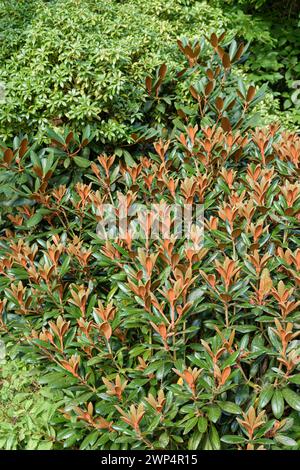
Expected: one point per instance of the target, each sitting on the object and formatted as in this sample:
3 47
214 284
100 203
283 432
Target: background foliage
77 62
27 410
273 28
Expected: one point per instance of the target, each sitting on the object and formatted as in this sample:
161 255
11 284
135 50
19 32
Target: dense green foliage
167 342
273 28
26 409
78 62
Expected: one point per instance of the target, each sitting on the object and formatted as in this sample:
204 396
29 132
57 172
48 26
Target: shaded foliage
77 63
27 410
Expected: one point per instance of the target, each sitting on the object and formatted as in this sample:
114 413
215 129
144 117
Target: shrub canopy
78 62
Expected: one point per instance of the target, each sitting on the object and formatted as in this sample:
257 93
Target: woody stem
233 248
174 352
277 378
150 341
109 348
184 333
285 235
146 442
226 316
172 316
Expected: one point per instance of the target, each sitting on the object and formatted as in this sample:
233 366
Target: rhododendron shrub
170 341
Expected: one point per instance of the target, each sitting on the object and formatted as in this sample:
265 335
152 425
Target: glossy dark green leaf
202 424
82 162
291 398
233 439
265 395
277 404
230 407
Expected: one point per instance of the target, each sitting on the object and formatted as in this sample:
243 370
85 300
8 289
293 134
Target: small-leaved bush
176 342
27 410
73 63
79 62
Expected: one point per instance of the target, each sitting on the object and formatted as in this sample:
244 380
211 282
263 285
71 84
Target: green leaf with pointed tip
35 219
233 439
295 379
82 162
230 407
164 440
202 424
285 440
291 398
194 441
214 438
190 424
213 413
89 440
265 395
277 404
